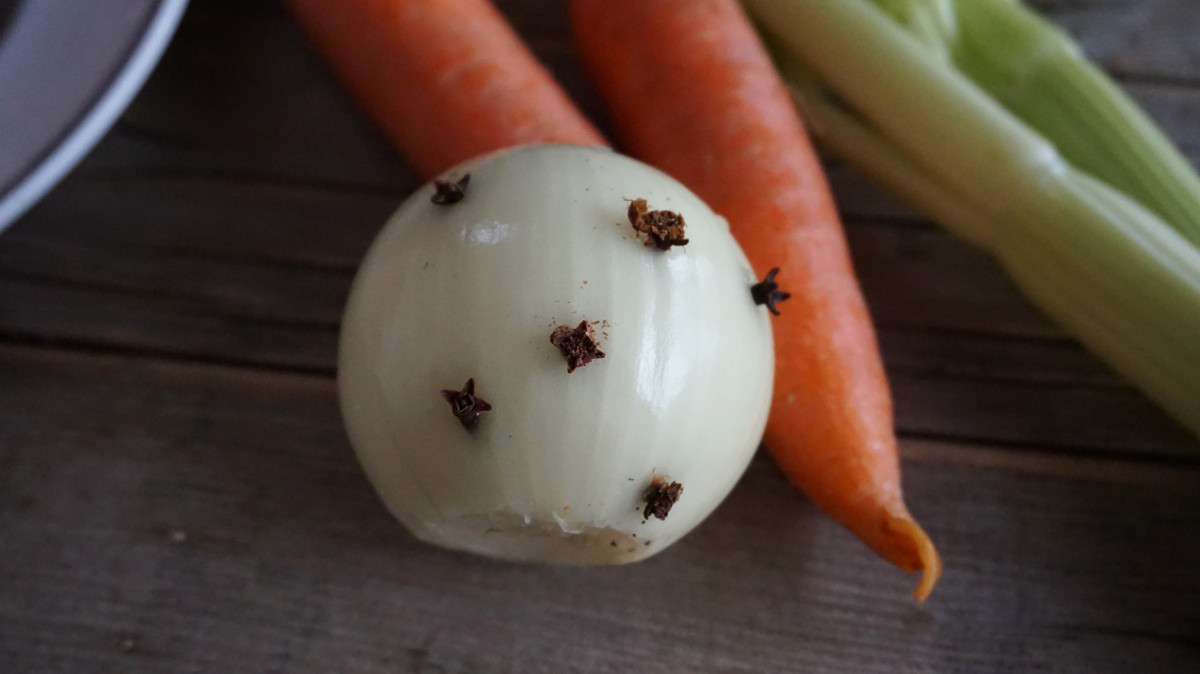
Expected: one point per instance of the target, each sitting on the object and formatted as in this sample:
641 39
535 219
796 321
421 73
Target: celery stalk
933 22
1106 267
1038 73
860 145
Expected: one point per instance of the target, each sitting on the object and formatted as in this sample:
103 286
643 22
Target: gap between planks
1137 471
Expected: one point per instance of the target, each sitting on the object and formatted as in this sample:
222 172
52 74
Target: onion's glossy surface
558 469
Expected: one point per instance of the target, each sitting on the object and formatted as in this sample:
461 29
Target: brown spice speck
660 497
663 229
578 345
465 404
447 193
767 292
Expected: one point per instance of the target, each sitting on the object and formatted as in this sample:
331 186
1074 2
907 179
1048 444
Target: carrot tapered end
911 549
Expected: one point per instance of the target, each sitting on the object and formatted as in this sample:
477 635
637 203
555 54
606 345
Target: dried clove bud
578 345
660 497
767 292
450 193
663 229
467 407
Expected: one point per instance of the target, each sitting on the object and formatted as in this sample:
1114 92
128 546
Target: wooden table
177 493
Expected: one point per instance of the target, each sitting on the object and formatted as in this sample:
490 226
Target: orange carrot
447 80
691 89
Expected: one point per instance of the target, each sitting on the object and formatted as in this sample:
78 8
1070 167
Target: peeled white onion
558 470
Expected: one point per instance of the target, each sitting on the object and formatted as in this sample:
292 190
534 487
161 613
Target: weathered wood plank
165 515
263 284
253 288
231 219
204 111
184 238
177 216
1135 38
230 126
158 516
135 323
222 101
1047 395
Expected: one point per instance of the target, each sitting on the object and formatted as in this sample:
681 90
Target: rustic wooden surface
177 494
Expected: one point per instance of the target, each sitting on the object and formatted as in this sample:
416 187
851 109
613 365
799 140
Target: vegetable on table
1040 75
447 80
989 121
522 377
692 91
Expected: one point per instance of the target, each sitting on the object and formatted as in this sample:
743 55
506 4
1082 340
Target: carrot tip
915 552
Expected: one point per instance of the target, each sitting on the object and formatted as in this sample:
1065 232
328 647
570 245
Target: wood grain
182 517
263 285
177 494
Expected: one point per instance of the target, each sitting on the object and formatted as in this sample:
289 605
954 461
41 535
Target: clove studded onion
561 363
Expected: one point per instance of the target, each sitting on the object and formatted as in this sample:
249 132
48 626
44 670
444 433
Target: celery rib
1039 74
1102 236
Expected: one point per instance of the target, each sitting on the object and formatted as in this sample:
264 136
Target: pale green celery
1110 271
932 22
857 143
1038 73
854 140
